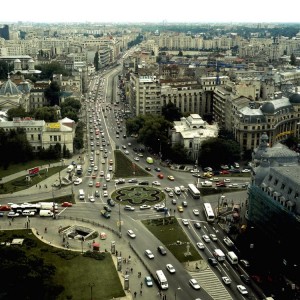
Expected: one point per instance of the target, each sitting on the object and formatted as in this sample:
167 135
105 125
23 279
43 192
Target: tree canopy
171 112
52 93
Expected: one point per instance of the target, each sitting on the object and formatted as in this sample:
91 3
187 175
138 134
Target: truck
70 168
105 213
219 254
48 206
46 213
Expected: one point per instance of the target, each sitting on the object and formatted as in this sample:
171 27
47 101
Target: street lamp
120 224
178 289
91 285
160 154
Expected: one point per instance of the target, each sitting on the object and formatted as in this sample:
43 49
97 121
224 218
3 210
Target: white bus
162 280
231 256
193 191
209 213
81 194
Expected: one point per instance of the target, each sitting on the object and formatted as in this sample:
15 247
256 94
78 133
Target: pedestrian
39 186
141 284
141 292
134 294
116 252
45 229
36 185
9 223
131 270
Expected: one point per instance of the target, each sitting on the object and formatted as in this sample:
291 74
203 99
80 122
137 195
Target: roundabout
138 195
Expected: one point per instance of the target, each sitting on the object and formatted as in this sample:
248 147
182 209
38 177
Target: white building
190 132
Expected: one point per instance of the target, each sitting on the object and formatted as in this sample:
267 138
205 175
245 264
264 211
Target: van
206 183
107 177
29 213
70 168
231 256
219 254
46 213
177 190
81 194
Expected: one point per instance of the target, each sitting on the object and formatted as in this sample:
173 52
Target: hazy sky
150 11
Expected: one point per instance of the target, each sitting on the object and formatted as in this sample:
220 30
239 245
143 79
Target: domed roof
295 98
268 108
9 88
17 60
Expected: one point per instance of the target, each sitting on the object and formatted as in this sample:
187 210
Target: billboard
33 171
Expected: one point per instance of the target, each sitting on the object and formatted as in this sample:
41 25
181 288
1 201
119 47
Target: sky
154 11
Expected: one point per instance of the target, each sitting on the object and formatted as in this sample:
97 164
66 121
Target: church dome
295 98
9 88
268 108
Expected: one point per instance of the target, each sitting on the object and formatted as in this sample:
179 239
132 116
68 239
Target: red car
66 204
4 208
160 176
224 172
97 184
221 184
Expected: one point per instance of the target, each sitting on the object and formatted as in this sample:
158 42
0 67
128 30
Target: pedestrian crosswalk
211 284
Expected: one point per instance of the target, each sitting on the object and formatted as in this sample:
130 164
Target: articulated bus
209 213
162 280
193 191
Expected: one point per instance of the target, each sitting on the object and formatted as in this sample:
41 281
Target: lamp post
120 222
160 154
178 289
91 285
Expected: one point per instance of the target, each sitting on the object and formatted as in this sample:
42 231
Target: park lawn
75 272
15 168
126 168
20 183
169 234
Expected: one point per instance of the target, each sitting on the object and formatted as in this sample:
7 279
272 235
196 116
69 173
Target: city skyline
133 11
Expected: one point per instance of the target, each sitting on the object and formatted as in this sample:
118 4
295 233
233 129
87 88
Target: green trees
171 113
70 109
96 61
52 93
48 114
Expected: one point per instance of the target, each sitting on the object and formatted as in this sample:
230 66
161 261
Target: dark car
144 183
161 250
245 278
148 169
197 225
212 261
110 202
107 208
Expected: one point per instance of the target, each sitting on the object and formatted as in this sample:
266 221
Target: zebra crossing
211 284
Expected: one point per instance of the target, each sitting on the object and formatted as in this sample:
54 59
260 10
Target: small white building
190 132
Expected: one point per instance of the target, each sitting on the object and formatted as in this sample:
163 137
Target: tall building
4 32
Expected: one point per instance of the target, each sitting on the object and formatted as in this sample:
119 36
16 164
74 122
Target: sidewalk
52 237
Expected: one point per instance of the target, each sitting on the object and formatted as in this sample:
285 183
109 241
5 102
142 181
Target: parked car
12 214
148 281
110 202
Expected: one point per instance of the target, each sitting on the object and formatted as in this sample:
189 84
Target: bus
209 213
194 191
231 256
162 280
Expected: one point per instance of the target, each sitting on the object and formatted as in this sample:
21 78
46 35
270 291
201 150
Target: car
226 280
161 250
171 194
224 172
4 208
213 237
145 206
228 242
120 181
140 155
206 238
28 213
110 202
197 225
104 186
157 169
105 213
131 233
227 180
148 281
136 158
245 278
91 198
212 261
12 214
101 173
185 222
160 176
107 208
242 289
221 184
194 283
78 181
96 168
126 152
159 206
132 180
184 203
170 177
129 207
245 263
97 184
97 193
246 171
197 175
156 183
105 194
149 254
147 169
170 268
144 182
91 183
110 168
196 212
66 204
180 208
168 189
200 245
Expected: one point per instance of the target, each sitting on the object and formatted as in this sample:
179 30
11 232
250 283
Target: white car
131 233
126 152
91 198
101 173
227 180
246 171
226 280
200 246
168 189
185 222
170 268
206 238
213 237
194 283
149 254
95 168
157 183
145 206
136 158
196 212
242 289
77 181
91 183
171 194
128 207
105 194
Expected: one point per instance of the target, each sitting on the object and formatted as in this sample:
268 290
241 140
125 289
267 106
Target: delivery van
46 213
